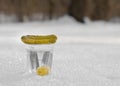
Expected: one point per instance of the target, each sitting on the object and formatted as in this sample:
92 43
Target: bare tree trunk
51 9
77 9
101 9
19 13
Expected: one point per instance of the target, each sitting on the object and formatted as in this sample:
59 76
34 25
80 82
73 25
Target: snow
84 55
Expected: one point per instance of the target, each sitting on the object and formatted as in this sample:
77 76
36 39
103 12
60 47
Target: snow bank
85 54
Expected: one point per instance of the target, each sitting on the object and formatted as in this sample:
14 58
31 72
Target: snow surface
84 55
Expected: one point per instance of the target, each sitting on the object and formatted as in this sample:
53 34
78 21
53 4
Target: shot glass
39 53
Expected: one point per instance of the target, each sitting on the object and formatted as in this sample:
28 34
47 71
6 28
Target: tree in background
77 9
94 9
49 9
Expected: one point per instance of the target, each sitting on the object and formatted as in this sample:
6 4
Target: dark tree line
94 9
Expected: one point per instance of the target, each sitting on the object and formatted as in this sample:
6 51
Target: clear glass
38 56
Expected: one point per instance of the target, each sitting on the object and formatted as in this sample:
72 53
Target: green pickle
38 39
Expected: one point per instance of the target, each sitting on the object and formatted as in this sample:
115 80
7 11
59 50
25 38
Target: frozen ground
85 54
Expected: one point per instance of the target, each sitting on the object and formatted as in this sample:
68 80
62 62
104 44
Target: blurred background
29 10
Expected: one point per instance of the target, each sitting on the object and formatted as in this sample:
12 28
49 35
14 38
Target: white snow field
84 55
